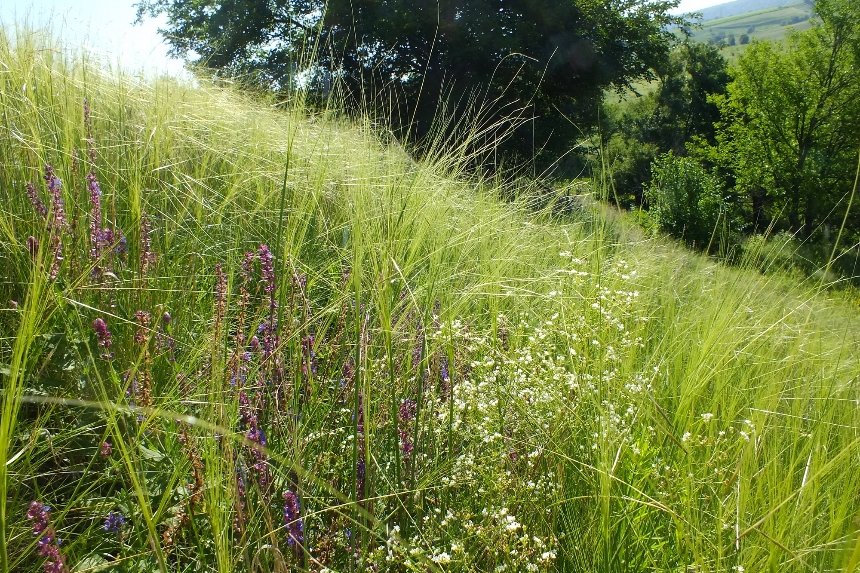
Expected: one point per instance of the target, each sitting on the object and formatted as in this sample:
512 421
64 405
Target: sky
105 29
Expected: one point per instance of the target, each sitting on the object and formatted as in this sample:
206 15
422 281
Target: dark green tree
667 119
683 110
543 64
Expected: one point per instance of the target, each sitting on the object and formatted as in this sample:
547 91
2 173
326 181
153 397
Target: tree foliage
545 61
790 127
667 118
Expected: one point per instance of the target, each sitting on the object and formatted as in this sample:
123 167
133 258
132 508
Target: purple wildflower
58 222
143 320
57 247
51 551
106 449
40 515
38 205
103 336
48 545
249 421
408 409
267 268
114 522
268 330
55 188
96 237
247 265
144 374
260 466
292 518
45 544
121 247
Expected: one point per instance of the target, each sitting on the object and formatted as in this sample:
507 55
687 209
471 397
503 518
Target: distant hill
738 7
735 32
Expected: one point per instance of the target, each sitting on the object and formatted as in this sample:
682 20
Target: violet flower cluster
58 223
36 201
293 520
267 268
49 544
254 433
96 232
114 522
104 338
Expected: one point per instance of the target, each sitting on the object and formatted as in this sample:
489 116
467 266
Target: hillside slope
238 336
767 24
742 7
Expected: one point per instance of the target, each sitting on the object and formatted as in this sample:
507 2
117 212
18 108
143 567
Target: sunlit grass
445 381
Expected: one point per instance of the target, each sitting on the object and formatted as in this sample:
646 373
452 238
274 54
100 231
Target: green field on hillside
767 25
239 334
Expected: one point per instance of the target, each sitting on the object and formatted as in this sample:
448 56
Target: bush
687 202
629 163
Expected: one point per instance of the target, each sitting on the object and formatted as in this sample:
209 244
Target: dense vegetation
767 145
237 336
530 73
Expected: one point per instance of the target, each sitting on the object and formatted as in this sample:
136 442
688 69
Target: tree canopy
790 127
545 61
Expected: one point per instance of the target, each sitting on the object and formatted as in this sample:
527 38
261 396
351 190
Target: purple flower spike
96 236
267 268
48 545
408 409
106 449
292 518
33 195
104 338
40 515
55 187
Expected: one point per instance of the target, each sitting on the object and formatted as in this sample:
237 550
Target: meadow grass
244 336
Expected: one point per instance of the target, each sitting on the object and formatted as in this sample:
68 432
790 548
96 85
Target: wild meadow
246 335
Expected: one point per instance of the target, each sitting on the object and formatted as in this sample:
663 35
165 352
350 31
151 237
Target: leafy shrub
686 201
629 163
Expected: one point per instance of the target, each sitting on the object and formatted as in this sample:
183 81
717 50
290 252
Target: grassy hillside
235 336
772 24
739 7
